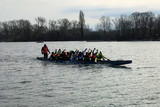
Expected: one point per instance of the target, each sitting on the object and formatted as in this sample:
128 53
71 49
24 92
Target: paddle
107 59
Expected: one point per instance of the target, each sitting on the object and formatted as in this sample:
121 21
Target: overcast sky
59 9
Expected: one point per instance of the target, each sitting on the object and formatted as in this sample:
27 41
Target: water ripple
24 81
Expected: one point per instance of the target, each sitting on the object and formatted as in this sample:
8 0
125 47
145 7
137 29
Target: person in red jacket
45 51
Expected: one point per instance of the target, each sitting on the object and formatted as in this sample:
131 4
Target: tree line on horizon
137 26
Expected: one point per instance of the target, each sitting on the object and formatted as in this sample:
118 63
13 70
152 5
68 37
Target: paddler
86 57
45 51
68 56
100 56
80 56
58 54
53 56
90 55
94 55
64 55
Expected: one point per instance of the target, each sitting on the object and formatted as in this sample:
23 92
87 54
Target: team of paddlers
64 55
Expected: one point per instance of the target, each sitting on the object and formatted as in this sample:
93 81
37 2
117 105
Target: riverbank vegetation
137 26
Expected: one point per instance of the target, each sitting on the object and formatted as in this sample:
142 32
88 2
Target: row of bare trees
63 29
137 26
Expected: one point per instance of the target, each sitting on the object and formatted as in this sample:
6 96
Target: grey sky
58 9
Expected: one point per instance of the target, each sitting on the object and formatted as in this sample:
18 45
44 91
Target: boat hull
108 62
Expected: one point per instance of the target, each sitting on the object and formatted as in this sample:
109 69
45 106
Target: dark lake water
25 81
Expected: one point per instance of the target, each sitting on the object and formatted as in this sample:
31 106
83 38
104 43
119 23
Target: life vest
65 52
94 56
90 56
58 55
53 55
45 50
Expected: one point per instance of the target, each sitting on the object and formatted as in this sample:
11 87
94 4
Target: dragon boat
107 62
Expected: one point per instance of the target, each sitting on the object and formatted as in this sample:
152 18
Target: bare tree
64 24
75 30
1 36
81 23
74 24
157 27
53 25
40 28
151 25
135 18
123 26
24 27
105 24
5 30
116 22
41 21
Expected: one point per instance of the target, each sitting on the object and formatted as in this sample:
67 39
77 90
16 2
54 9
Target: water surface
25 81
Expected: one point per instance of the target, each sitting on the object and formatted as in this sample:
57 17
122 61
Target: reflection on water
123 67
25 81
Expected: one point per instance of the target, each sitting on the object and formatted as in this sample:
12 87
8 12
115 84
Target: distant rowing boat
108 62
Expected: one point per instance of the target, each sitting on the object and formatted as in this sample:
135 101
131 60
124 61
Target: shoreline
85 41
